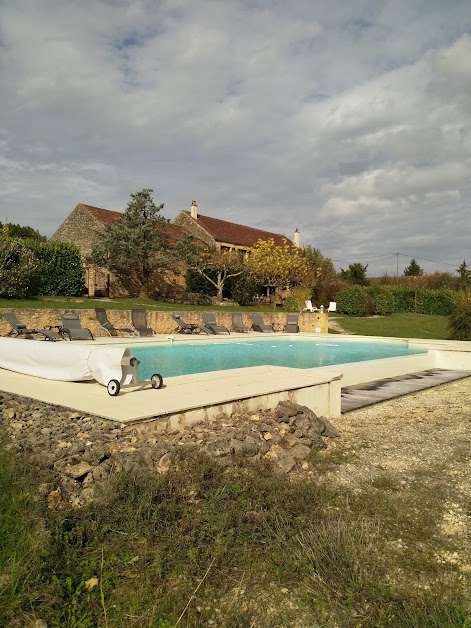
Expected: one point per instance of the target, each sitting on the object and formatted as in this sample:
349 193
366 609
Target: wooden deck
354 397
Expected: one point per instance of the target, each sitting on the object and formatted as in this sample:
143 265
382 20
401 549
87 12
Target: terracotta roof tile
232 233
108 217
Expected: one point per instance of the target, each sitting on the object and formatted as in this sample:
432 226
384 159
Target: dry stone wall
160 322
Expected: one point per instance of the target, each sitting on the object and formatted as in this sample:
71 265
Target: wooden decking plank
354 397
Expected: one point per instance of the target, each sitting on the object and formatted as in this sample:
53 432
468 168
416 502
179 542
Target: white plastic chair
332 306
309 307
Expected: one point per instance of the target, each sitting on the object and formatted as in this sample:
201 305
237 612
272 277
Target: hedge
62 272
388 299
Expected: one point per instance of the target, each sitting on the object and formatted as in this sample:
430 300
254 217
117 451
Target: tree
278 266
355 274
464 275
136 247
217 266
413 270
17 231
322 270
19 269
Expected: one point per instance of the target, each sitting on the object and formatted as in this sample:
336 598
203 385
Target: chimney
194 210
296 237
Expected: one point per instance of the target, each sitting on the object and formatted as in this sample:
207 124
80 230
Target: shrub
62 272
19 269
353 301
244 287
460 324
441 302
383 301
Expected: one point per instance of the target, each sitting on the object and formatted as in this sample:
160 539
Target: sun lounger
139 322
259 325
20 329
209 321
238 323
110 329
72 328
188 328
292 324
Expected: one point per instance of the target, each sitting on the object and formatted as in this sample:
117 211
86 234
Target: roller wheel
156 380
113 387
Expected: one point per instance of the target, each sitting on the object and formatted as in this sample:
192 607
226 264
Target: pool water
184 358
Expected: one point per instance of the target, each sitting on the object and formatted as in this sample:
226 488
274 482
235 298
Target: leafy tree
19 269
278 266
322 271
459 323
217 266
355 274
17 231
136 248
464 275
413 270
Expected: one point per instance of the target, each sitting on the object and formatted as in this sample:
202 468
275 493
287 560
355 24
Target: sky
349 120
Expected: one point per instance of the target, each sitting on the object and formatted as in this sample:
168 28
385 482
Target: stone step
354 397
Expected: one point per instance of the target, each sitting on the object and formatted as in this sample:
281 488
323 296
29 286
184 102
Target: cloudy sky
349 119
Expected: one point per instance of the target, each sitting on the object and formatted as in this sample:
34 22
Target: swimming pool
187 357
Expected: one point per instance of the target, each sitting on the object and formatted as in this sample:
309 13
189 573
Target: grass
408 325
231 548
84 303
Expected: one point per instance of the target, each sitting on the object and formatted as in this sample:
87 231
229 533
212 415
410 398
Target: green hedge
388 299
62 272
353 301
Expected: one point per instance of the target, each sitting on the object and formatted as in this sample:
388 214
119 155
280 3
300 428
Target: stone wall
160 322
190 226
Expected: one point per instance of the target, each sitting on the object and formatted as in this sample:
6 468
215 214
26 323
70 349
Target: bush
353 301
460 324
441 302
244 287
195 282
19 269
62 272
383 301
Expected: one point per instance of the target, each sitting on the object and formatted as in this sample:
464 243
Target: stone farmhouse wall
193 229
160 322
81 229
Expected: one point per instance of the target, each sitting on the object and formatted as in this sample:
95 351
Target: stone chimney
296 237
194 210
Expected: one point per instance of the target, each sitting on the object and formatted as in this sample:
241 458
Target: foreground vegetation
203 546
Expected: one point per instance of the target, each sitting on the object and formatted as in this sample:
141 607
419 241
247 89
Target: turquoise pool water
184 358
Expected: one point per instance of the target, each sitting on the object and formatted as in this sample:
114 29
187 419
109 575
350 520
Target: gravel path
423 437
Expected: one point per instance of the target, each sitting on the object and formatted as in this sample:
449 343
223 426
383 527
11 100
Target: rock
281 458
164 463
75 471
54 499
329 429
300 452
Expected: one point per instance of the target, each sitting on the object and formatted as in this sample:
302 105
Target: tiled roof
108 217
230 232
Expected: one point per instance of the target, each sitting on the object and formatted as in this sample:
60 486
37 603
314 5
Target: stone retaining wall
160 322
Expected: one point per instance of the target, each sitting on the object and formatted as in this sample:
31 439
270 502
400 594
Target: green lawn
407 325
85 303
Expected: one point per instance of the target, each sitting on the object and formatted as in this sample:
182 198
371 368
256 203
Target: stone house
224 235
83 227
85 223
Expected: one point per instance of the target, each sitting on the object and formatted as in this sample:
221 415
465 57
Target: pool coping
187 399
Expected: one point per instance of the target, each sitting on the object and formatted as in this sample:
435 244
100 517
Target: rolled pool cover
63 361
